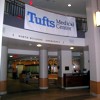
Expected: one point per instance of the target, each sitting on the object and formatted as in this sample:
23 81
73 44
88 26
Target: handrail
15 8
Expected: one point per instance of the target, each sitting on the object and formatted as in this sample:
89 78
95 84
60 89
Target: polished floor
51 94
22 91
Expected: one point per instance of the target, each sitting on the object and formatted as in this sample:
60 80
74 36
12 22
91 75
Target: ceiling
78 6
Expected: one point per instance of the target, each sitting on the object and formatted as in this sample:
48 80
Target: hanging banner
47 22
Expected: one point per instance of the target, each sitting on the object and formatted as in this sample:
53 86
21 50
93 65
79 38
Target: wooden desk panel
75 80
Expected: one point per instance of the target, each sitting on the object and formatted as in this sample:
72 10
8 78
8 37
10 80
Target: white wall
86 60
93 40
29 52
3 69
22 34
25 52
66 60
1 32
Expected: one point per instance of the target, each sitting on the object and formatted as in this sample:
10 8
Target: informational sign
46 22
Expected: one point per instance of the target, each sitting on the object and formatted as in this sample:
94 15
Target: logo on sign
45 21
41 21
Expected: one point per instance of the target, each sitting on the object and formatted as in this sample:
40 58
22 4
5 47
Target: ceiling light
71 48
39 45
97 15
74 66
98 18
69 5
11 56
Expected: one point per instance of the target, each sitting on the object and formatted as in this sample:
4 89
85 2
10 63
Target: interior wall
66 61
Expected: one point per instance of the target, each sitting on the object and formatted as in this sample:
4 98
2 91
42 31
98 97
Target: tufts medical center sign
50 23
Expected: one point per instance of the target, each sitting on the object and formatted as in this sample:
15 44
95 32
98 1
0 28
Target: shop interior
22 66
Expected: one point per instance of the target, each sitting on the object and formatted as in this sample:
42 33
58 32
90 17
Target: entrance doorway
23 72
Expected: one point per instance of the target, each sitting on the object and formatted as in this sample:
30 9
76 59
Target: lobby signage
46 22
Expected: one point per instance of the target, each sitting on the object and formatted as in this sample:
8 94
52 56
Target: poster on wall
46 22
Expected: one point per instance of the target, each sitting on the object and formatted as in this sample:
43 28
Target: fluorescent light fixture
69 5
39 45
71 48
98 18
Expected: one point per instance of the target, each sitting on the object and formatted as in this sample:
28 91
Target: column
60 78
2 79
86 60
93 41
3 71
43 74
65 59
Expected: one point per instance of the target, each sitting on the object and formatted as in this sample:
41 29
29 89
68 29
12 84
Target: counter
70 80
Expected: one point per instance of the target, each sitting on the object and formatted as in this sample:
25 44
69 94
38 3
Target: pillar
65 60
2 78
3 71
60 78
86 60
93 41
43 74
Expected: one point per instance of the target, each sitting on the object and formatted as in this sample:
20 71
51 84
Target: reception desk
75 80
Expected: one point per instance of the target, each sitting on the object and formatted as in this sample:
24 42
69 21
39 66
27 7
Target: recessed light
11 56
39 45
71 48
74 66
69 5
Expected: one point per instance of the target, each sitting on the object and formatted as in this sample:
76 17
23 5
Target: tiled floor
53 93
15 86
